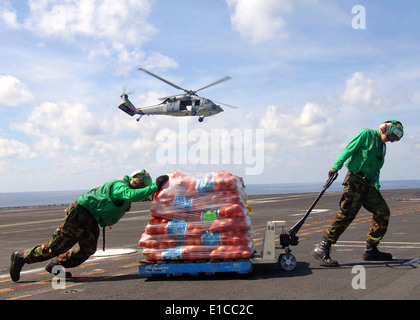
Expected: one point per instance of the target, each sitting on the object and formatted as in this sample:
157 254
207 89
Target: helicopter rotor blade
173 96
225 104
164 80
213 84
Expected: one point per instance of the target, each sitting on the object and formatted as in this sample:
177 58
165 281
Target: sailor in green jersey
102 206
365 155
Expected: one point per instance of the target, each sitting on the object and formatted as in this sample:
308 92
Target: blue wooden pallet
193 268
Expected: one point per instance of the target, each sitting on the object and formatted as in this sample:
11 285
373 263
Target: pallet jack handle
294 230
103 238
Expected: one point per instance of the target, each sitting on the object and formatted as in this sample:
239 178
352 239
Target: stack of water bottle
199 217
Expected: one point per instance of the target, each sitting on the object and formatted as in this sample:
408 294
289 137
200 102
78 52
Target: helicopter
187 104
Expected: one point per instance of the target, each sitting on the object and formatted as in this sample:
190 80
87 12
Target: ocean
51 198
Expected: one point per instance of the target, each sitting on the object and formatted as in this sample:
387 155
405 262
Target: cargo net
199 217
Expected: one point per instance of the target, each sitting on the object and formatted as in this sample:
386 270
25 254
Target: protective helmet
394 131
143 178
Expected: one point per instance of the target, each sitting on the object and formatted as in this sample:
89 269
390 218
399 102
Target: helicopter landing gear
200 119
138 119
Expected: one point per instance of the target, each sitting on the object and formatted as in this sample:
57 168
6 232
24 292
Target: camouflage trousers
358 193
79 226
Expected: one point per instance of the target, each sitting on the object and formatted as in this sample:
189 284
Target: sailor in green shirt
365 155
102 206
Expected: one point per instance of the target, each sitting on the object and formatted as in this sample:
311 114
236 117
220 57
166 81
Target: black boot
16 266
373 254
54 262
322 253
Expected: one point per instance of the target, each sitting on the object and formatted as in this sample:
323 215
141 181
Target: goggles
395 131
141 178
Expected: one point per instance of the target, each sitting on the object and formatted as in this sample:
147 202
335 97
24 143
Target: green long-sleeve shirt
121 191
365 154
111 201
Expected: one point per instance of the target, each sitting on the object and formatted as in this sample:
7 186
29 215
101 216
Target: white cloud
156 59
359 90
308 128
71 139
109 28
259 21
13 92
57 127
107 19
8 16
66 119
15 149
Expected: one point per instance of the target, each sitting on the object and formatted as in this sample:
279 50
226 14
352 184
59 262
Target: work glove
160 181
332 172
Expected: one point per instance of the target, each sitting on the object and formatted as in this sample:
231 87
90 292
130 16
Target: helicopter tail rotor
124 93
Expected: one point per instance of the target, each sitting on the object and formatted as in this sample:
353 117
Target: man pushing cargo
366 154
102 206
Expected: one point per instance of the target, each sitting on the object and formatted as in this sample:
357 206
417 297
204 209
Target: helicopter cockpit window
197 102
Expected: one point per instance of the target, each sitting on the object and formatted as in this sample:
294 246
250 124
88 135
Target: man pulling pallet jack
366 152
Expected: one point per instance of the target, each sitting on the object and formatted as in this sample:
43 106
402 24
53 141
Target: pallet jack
271 252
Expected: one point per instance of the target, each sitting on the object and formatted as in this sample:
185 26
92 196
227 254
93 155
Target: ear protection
140 179
395 130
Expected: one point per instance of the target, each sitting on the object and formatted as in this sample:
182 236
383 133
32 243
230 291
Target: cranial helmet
142 178
394 130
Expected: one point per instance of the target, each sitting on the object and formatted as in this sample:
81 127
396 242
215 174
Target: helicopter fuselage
174 106
196 106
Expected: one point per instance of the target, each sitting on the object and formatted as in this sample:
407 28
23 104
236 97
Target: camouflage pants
78 226
358 193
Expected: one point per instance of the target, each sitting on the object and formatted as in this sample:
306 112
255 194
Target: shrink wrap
199 217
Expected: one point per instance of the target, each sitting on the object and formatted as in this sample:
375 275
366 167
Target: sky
306 76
